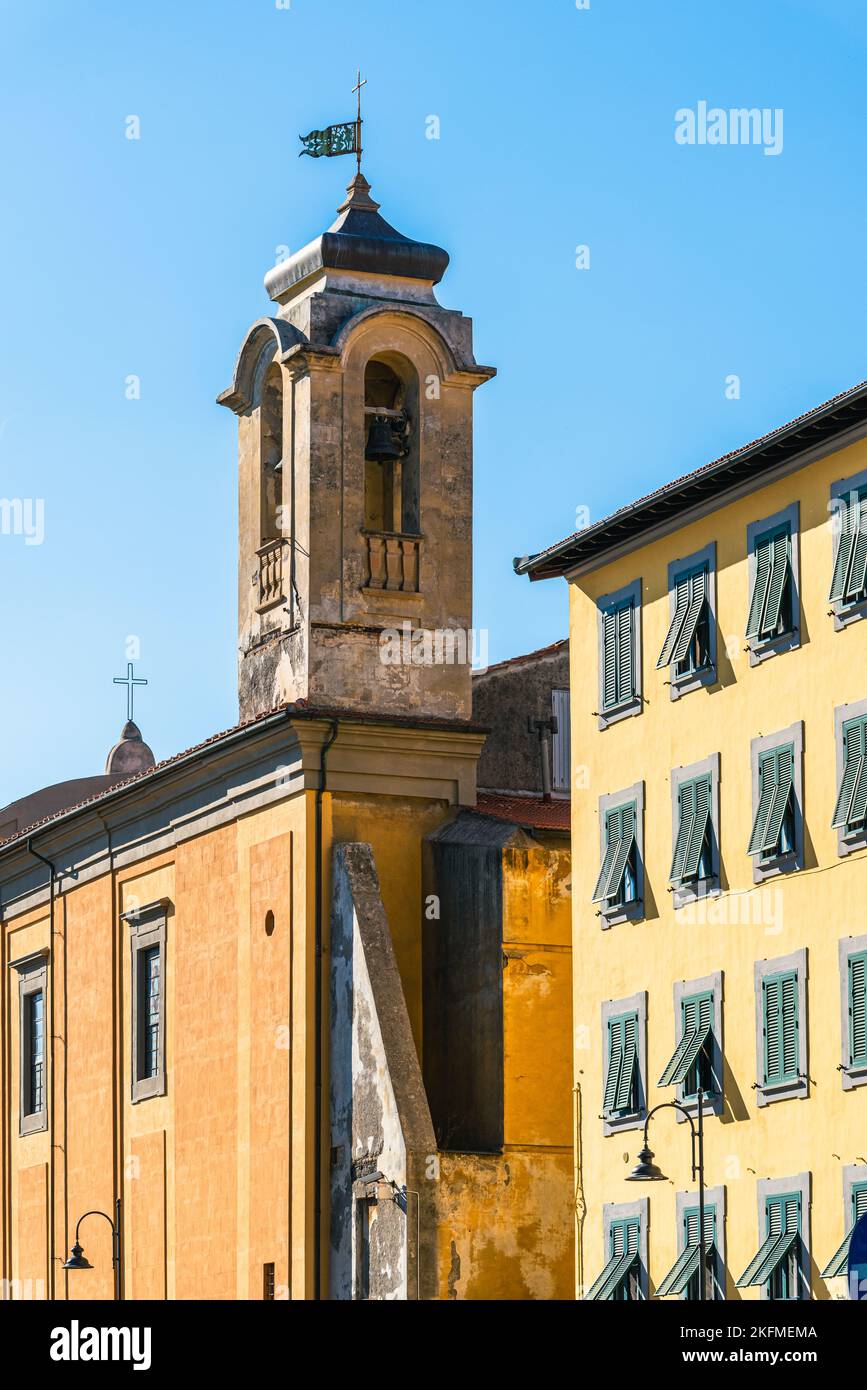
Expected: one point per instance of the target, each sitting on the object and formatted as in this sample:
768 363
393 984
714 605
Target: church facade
293 1008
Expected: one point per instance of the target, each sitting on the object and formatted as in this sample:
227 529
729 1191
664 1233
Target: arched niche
271 453
391 417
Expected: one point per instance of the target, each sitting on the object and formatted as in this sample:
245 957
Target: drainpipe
52 1127
580 1204
317 1020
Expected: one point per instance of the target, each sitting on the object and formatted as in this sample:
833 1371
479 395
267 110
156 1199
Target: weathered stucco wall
503 699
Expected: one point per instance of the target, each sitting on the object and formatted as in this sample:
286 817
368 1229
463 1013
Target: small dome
361 241
129 755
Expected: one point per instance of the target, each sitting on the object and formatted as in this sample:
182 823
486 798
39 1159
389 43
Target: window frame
619 598
679 686
793 859
715 1201
768 1093
847 842
851 1075
799 1185
844 613
634 911
147 927
762 648
32 973
684 894
615 1009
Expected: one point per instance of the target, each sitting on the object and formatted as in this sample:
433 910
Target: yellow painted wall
811 909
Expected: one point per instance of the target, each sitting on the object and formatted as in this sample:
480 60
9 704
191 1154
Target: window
684 1277
147 986
619 642
851 806
689 648
32 1036
624 1026
776 842
691 1065
849 575
561 757
624 1278
695 831
855 1202
773 617
619 889
853 1011
781 1028
778 1263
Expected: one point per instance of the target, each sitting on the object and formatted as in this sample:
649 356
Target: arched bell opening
271 488
391 485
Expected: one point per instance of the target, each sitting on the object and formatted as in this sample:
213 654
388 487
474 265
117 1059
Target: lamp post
78 1259
647 1171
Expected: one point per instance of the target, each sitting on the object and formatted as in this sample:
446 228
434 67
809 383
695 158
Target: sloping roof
554 649
300 710
751 461
531 811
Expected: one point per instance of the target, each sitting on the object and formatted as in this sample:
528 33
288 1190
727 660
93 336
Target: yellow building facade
720 876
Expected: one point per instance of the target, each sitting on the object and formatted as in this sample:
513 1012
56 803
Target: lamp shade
646 1170
77 1259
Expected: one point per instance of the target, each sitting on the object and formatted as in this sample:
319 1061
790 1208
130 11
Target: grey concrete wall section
503 697
380 1121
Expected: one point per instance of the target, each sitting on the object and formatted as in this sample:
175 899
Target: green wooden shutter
845 545
625 1099
609 659
686 820
858 572
625 644
615 1063
697 597
760 586
781 1028
779 576
784 775
767 794
859 1202
613 832
858 1010
853 786
699 830
676 626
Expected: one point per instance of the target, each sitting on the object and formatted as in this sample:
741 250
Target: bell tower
355 446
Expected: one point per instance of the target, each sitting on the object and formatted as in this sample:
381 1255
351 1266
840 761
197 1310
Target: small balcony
392 561
270 574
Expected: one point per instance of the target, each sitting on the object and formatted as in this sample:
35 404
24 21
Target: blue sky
122 257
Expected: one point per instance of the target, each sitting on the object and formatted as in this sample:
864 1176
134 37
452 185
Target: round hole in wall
269 923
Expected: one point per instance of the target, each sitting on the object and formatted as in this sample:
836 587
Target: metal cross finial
359 83
129 680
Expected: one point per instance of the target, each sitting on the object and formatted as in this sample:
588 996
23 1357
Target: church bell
383 446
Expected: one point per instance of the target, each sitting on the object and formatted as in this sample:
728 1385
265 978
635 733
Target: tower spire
359 83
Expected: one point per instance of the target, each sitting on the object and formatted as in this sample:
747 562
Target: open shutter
697 1025
681 606
858 571
839 1262
849 512
686 820
767 794
698 832
853 786
697 598
612 841
760 586
780 551
622 852
858 1010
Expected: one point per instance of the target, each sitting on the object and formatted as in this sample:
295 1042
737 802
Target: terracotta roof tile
531 811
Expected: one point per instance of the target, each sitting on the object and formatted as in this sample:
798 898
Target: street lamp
78 1259
647 1171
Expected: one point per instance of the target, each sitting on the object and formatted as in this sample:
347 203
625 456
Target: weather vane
337 139
130 681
